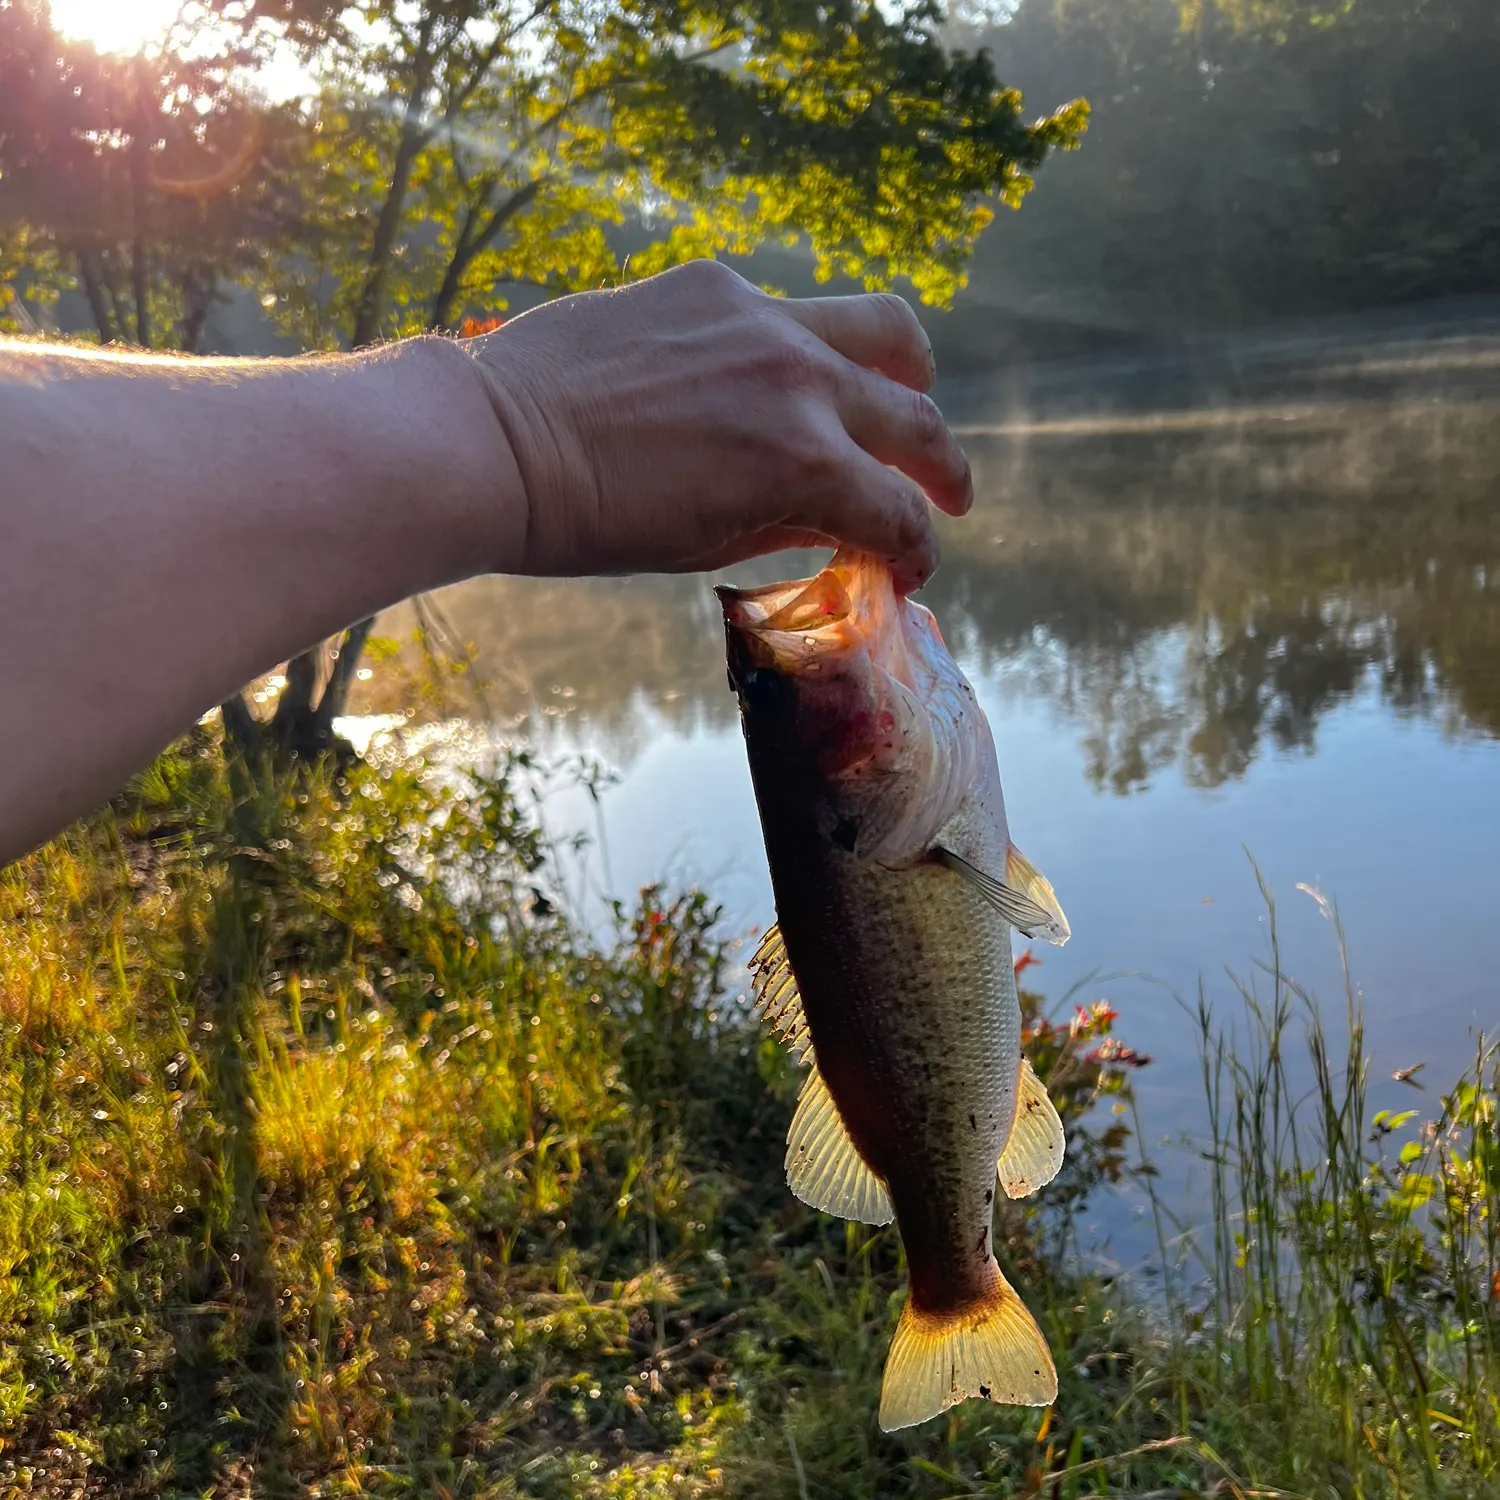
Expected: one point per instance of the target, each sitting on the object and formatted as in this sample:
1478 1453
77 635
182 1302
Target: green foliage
143 183
332 1153
459 147
1256 159
336 1162
1351 1263
472 147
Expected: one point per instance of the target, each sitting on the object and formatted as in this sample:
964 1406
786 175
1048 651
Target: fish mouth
798 624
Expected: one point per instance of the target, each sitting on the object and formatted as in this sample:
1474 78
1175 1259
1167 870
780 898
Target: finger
904 428
877 510
878 331
759 543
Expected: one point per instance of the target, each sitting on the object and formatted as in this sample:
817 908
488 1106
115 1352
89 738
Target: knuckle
900 321
711 276
812 461
791 363
929 430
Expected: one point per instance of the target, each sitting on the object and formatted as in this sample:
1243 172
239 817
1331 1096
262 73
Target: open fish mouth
842 680
850 605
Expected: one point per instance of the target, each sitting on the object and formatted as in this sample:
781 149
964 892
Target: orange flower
472 328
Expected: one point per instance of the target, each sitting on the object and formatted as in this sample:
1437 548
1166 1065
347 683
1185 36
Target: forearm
171 529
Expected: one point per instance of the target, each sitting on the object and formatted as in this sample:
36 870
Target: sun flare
115 25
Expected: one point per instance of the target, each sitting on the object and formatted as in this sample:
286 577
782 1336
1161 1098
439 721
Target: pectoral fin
824 1167
1024 898
1021 875
1034 1152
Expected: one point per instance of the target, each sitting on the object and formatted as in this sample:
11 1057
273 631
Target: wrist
433 420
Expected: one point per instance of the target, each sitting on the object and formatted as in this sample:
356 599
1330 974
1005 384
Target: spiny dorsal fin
1034 1152
774 989
1023 876
1027 915
992 1349
824 1167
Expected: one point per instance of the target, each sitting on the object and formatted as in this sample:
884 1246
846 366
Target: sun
115 25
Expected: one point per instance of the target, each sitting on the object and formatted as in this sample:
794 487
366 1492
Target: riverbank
338 1163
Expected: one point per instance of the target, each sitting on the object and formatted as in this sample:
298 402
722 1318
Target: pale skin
171 528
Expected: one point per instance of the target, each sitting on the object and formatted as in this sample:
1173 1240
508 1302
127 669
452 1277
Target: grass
337 1162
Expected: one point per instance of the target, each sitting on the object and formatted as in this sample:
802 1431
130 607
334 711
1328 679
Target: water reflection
1189 588
1270 622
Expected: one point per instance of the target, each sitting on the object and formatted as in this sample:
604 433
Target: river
1243 603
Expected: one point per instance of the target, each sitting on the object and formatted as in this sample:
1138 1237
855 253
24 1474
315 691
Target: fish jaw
846 686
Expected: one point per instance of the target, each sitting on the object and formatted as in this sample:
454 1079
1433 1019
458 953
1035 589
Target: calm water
1270 622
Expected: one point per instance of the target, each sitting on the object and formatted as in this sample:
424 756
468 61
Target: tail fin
992 1349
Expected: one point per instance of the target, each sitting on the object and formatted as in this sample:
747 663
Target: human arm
171 528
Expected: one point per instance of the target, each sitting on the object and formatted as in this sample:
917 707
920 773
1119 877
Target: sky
129 25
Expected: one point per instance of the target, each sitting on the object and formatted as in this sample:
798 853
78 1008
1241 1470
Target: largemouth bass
889 971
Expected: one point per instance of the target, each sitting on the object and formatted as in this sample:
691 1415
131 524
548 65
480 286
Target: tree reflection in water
1186 592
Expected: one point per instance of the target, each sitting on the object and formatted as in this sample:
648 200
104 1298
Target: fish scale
889 973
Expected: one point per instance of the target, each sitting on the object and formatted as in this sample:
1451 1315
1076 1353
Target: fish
889 973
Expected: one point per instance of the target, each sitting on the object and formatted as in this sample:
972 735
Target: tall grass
1345 1340
337 1162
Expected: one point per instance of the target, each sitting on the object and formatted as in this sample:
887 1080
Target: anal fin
992 1349
823 1165
1034 1151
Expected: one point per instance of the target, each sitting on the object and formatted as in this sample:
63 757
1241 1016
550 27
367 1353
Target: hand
690 421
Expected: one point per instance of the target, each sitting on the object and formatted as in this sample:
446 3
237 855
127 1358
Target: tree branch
469 247
487 59
413 138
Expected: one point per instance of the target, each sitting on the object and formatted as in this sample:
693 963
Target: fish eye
762 688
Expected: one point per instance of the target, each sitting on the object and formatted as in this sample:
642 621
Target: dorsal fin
773 987
823 1165
1034 1151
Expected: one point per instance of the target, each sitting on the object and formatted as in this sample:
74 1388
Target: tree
476 143
470 146
1255 159
461 147
153 180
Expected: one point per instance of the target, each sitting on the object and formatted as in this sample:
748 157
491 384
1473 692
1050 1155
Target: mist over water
1246 598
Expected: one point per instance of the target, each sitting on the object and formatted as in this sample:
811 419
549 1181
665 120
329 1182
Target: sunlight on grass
338 1162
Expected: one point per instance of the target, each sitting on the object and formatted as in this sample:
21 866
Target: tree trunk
458 263
93 288
471 245
140 171
197 297
138 286
298 728
371 297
